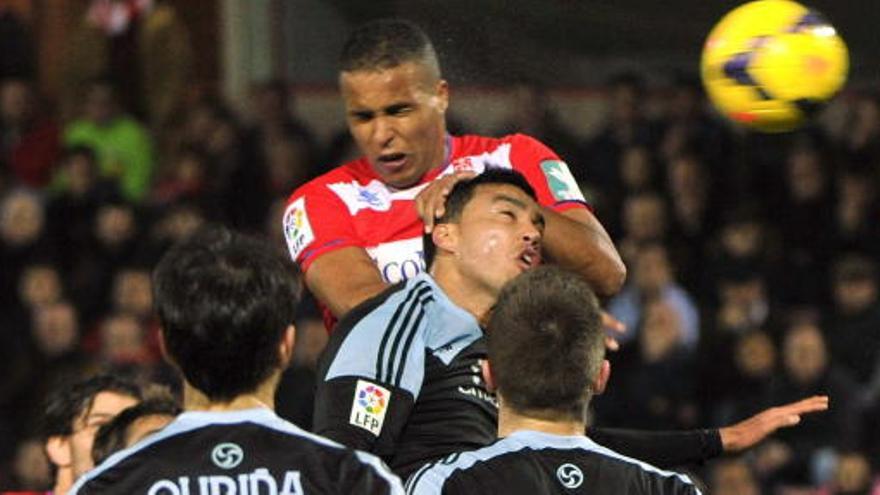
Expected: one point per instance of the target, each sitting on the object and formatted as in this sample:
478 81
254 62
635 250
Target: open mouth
530 258
392 161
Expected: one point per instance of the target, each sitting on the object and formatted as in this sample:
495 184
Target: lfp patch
297 229
561 182
369 406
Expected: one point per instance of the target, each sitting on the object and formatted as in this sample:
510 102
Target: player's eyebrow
537 218
509 199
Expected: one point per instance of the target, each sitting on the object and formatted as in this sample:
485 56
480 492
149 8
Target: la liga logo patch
372 399
369 406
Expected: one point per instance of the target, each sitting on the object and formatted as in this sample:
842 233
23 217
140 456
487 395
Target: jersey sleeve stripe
413 480
380 356
409 340
402 329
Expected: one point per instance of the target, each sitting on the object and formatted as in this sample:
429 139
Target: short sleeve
553 182
316 222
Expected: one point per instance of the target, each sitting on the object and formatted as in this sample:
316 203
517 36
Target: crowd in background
752 259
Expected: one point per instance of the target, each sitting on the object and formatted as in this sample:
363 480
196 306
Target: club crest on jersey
373 196
227 455
297 230
369 406
570 475
561 182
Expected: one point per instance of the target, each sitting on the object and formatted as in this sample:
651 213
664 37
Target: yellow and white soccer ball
770 64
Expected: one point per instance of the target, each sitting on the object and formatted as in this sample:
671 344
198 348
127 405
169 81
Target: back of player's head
116 434
224 302
545 343
462 193
387 43
69 402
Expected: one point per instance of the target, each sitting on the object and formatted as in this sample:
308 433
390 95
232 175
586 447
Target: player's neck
63 480
264 397
471 299
510 422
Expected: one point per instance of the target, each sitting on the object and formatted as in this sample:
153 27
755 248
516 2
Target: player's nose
383 131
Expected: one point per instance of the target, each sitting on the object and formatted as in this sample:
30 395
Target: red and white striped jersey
350 206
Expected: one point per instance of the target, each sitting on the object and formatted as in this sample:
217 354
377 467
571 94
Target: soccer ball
771 64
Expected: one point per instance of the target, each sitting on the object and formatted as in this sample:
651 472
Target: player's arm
669 449
576 240
323 241
344 278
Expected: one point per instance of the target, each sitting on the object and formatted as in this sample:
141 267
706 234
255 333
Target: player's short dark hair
224 301
461 195
70 401
545 343
112 436
385 44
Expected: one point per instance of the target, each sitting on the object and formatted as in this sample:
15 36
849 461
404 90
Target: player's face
499 235
397 119
105 406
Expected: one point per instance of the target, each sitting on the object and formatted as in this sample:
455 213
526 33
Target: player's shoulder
652 478
357 170
474 141
230 438
571 456
358 336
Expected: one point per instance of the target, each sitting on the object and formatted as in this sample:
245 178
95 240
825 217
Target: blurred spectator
31 467
185 179
123 344
143 45
638 175
803 216
17 59
280 151
22 239
653 279
122 144
645 219
852 476
744 244
733 477
654 379
855 215
692 214
626 125
687 126
735 385
532 113
862 136
854 324
807 370
29 140
72 208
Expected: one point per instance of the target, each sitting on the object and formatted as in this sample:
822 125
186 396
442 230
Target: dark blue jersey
529 462
401 378
241 452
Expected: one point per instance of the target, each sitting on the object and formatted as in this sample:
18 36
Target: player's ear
488 377
443 95
601 379
163 349
445 237
58 450
286 346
